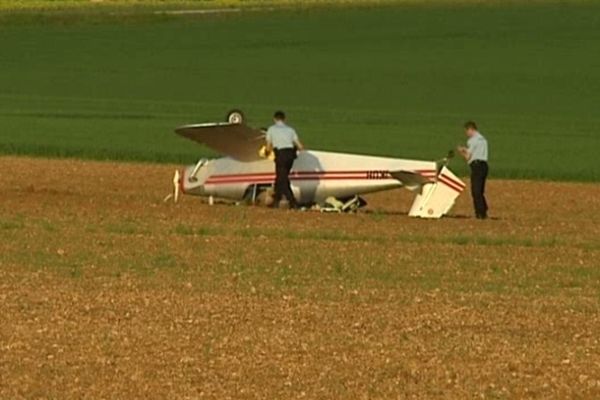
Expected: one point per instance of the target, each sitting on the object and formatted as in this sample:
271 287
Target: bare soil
107 292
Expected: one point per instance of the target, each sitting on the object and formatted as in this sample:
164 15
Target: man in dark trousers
476 154
283 140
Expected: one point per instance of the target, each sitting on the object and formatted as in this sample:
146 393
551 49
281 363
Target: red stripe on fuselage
292 178
294 175
267 177
311 173
259 174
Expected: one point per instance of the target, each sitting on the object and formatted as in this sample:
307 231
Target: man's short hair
279 115
470 125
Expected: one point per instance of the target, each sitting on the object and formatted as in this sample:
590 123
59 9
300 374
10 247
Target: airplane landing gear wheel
259 195
235 117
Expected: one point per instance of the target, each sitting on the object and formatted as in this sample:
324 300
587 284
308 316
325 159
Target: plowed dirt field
107 292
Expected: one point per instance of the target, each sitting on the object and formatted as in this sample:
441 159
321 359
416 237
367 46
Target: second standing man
283 140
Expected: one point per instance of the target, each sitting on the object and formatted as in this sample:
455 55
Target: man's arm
268 142
297 142
464 152
299 145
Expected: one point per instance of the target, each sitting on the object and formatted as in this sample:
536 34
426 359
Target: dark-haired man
476 155
283 140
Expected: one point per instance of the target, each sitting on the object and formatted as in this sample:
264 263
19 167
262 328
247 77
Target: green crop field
390 80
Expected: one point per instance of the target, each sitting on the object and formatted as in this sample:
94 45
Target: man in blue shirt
283 140
476 155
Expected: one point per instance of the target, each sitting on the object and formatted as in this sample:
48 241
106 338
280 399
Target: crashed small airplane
246 173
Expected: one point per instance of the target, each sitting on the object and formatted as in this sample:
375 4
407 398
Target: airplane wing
237 141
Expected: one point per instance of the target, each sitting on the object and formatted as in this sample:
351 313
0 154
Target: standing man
283 140
476 154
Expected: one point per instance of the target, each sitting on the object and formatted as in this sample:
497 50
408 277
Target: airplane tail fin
437 197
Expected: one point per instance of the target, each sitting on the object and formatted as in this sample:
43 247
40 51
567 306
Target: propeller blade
176 188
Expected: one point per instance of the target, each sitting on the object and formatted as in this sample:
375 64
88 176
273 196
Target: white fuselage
315 176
